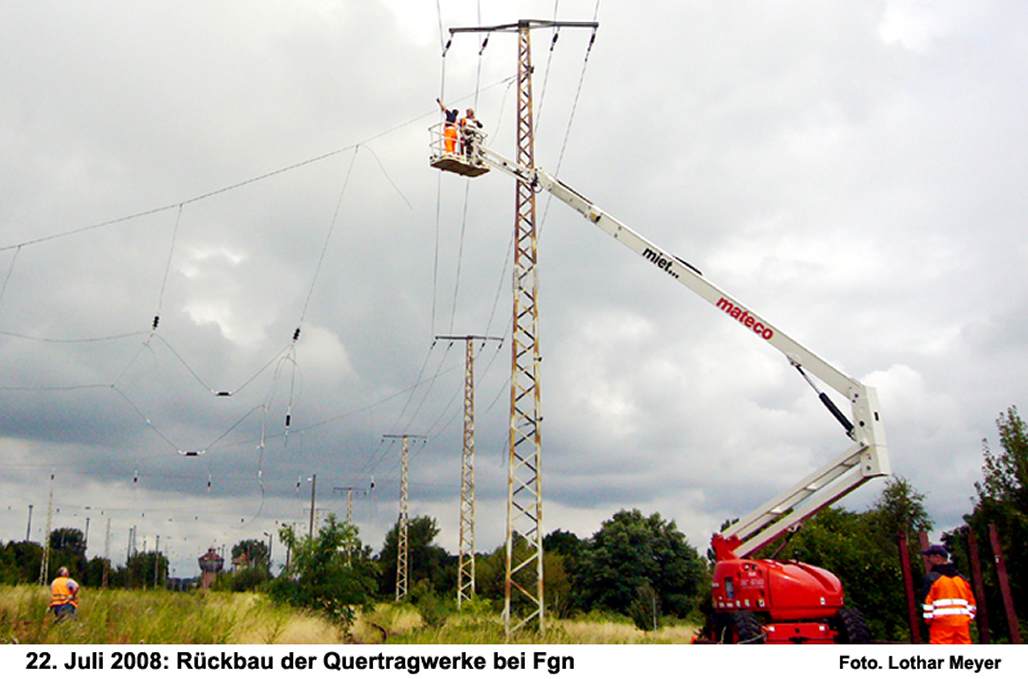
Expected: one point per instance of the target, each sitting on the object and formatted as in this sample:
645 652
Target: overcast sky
854 172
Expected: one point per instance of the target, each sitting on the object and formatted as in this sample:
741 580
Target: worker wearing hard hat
949 604
64 595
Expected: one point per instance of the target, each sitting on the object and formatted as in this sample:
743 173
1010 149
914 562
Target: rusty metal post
466 519
908 586
401 526
523 575
982 616
1004 585
402 549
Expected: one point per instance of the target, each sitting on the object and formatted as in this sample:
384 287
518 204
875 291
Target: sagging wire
10 272
431 384
167 269
328 238
499 285
237 185
467 181
546 72
196 376
571 116
71 340
388 177
435 259
460 252
145 417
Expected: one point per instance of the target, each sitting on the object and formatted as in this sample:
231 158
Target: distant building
211 564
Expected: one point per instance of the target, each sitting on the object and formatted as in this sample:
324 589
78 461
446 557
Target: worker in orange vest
64 595
449 127
949 604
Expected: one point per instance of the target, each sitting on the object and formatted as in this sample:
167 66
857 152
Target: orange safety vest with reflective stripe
950 601
63 591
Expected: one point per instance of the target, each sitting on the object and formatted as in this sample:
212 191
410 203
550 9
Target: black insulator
289 418
553 43
192 453
224 393
296 334
592 39
156 321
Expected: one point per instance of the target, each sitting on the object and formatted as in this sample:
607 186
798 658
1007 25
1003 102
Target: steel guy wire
71 340
546 72
167 265
460 252
328 236
10 271
435 259
186 365
237 185
388 177
571 119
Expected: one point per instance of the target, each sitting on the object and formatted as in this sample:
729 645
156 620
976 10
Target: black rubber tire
849 623
740 627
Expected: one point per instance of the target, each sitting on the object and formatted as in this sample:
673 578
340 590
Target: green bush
644 610
330 573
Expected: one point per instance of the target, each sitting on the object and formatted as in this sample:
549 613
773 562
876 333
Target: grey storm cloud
853 171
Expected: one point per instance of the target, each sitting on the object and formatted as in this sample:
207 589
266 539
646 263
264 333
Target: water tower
211 564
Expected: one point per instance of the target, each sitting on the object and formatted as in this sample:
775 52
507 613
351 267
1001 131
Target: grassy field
133 616
160 617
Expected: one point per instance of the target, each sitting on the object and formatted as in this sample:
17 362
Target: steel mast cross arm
865 458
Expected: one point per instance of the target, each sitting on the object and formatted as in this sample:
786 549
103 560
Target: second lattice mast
466 525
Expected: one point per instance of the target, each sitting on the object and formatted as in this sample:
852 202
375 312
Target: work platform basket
465 158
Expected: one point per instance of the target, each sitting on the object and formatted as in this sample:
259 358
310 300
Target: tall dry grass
156 617
159 617
401 624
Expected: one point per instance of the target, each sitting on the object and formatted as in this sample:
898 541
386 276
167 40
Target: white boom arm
863 460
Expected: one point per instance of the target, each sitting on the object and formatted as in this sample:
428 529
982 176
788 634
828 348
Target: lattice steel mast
401 524
466 538
523 579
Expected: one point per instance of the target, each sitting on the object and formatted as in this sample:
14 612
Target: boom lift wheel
849 623
740 627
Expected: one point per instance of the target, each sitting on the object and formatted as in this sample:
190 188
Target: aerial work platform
465 158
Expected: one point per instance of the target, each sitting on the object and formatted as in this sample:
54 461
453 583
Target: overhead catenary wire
467 181
231 187
277 356
71 340
328 236
546 70
167 266
10 272
571 116
388 177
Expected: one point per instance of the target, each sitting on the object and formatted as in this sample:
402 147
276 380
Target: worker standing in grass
449 127
64 595
949 604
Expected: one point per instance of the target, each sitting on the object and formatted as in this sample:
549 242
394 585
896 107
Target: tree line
638 566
